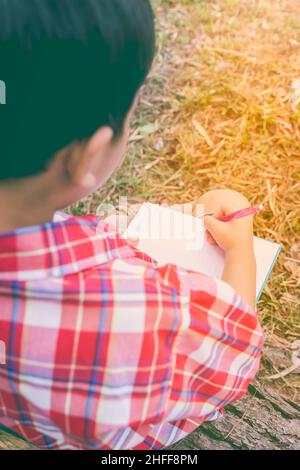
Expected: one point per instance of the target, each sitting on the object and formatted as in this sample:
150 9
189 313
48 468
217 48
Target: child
104 349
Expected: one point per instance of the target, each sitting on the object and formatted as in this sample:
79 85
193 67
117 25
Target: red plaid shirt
106 350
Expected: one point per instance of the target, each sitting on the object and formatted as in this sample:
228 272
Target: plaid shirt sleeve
106 350
219 352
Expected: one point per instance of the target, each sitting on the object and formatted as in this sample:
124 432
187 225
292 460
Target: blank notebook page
196 254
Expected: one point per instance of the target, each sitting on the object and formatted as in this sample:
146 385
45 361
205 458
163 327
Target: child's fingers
213 225
132 242
210 238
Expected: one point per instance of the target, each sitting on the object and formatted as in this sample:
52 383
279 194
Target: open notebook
169 236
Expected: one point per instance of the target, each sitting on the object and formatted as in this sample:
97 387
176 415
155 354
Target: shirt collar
64 246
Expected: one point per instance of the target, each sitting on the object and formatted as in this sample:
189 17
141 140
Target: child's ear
83 168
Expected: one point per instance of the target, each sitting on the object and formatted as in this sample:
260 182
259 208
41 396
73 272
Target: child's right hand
236 239
236 235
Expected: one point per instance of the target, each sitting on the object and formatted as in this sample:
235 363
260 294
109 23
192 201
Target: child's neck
23 204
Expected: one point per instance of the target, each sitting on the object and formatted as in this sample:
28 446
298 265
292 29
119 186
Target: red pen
242 213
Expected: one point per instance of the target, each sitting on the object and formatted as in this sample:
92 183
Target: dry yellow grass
222 109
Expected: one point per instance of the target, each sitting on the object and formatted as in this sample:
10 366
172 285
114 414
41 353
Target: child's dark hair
69 67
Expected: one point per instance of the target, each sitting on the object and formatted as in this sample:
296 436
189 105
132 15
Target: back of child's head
69 67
